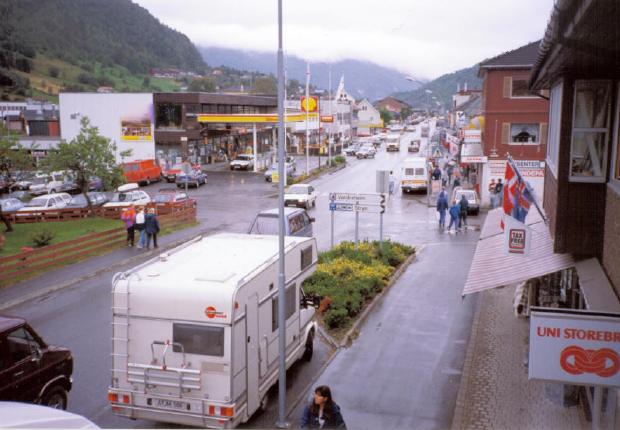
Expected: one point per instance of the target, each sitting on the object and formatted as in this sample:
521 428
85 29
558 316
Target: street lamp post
307 127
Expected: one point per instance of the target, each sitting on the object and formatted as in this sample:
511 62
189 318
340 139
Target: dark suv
31 370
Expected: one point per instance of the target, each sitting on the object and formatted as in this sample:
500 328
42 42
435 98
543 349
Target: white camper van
392 142
195 330
414 175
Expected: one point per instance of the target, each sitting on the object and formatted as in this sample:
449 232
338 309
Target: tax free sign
576 347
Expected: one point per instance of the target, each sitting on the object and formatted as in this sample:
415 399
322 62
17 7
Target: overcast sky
423 38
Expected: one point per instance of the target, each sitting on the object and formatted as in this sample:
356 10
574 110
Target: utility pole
329 141
307 129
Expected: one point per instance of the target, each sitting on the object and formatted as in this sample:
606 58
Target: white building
126 119
368 118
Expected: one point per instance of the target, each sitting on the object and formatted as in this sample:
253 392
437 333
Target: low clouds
424 38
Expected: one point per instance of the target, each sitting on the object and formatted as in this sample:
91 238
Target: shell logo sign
311 104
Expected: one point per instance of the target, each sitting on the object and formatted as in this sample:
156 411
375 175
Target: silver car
473 206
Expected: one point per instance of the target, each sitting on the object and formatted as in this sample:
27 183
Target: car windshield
40 201
39 180
468 195
265 225
297 190
244 157
163 198
122 197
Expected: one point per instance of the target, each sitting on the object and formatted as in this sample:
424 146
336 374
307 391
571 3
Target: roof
41 115
7 322
520 58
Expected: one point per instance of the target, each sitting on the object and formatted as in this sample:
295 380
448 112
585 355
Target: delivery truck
195 330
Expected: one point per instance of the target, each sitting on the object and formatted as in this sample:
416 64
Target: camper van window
419 171
289 308
409 171
199 339
306 257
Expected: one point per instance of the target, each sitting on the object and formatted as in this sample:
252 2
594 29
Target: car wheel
55 398
309 349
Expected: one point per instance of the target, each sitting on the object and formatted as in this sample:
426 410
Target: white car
303 195
128 194
242 162
25 415
46 202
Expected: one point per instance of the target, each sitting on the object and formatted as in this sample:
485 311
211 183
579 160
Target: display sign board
473 159
517 237
472 136
575 347
311 104
369 198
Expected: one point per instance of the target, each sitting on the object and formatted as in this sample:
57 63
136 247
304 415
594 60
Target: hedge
346 278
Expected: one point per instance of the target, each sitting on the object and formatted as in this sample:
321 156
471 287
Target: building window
555 121
615 170
168 116
588 160
520 88
524 133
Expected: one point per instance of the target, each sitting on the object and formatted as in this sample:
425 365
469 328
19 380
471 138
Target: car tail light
112 397
227 412
126 399
211 410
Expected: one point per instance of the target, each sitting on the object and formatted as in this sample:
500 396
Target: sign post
350 202
357 221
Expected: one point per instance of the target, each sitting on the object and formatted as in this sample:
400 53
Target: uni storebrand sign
576 347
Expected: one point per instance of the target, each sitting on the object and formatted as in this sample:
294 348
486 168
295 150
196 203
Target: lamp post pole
329 141
281 423
307 127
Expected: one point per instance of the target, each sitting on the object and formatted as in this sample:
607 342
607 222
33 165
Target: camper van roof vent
152 274
215 276
163 257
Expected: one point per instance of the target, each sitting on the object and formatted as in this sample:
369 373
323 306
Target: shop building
515 119
367 118
183 132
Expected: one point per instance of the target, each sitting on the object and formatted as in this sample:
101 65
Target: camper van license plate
170 404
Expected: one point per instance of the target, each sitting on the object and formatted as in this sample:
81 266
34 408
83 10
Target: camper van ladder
120 311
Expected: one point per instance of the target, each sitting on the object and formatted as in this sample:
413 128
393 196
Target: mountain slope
442 88
362 79
111 32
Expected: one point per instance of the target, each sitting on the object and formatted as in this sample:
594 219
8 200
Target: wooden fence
26 263
68 214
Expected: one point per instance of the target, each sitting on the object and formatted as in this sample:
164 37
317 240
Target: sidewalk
66 276
495 392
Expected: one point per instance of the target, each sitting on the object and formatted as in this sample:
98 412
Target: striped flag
518 194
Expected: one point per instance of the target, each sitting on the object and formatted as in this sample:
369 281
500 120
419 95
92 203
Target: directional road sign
373 198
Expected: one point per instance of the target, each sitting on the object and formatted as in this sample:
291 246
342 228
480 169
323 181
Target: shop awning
472 153
492 268
597 290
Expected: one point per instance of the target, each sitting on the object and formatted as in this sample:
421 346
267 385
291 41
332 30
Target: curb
347 339
58 287
339 347
461 397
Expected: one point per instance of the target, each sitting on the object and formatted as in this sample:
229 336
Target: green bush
348 278
42 238
339 159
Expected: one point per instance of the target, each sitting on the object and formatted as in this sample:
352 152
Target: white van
195 330
392 142
414 174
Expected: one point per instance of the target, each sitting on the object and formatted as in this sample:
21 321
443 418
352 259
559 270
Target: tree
205 85
13 157
405 112
386 116
265 85
88 154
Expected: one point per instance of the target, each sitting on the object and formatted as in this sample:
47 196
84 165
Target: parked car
128 194
352 150
297 222
289 168
195 178
46 202
96 199
36 185
168 196
11 204
24 196
366 152
303 195
95 183
24 415
142 171
242 162
473 200
57 182
170 174
30 369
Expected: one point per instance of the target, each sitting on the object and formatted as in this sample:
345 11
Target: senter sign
576 347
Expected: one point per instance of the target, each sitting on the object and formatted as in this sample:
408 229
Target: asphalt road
79 317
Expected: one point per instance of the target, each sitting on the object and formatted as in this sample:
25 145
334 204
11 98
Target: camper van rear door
251 329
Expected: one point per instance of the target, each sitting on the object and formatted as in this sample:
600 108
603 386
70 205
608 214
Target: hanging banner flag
517 193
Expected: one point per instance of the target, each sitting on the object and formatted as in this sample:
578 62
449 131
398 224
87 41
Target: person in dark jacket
442 207
323 413
455 214
464 206
151 225
436 173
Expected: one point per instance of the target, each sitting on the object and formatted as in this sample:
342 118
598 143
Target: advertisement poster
132 129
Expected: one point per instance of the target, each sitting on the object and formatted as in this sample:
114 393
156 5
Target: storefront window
168 116
590 131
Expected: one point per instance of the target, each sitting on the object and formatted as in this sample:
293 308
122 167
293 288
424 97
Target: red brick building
392 105
515 118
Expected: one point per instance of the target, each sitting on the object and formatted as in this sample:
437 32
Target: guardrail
36 260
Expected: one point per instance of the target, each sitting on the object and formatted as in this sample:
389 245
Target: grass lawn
63 231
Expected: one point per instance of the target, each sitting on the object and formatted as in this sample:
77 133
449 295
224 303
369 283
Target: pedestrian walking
492 193
450 171
464 203
139 227
152 228
392 183
128 216
442 207
436 173
499 192
455 214
323 412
